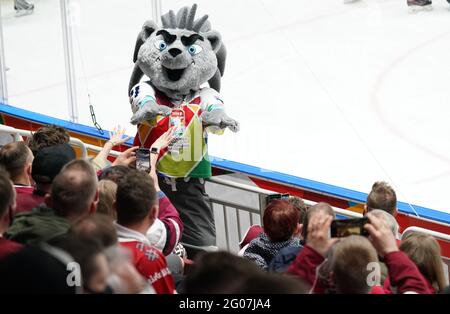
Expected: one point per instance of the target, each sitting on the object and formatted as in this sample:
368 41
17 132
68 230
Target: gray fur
191 17
199 23
182 16
136 76
172 18
184 19
150 111
146 55
198 68
219 119
165 21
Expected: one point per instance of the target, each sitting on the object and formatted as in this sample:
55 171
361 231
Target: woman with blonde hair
425 252
107 196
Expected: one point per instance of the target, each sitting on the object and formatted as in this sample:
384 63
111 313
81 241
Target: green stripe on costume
190 162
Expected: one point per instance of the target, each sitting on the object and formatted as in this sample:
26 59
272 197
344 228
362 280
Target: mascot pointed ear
147 29
215 39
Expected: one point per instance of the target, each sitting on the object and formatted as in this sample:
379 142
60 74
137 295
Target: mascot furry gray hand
179 59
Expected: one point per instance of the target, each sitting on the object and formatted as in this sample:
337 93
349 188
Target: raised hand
318 233
381 235
164 140
116 136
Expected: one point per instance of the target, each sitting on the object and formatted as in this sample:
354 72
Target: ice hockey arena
321 130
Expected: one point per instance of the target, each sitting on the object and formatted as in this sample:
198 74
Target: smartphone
143 159
277 196
346 227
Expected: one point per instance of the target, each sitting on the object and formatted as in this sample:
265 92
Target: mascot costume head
180 59
182 55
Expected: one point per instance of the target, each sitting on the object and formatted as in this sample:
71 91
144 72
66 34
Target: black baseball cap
49 161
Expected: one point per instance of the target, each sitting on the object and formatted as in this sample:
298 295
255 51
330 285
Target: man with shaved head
17 159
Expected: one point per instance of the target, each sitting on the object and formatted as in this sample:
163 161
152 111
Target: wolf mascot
178 59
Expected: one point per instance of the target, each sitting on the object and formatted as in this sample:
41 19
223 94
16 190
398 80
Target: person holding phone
165 233
346 274
168 214
161 143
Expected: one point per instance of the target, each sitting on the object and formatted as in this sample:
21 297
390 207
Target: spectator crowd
71 225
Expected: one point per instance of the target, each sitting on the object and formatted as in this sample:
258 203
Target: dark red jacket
169 215
403 273
391 287
28 198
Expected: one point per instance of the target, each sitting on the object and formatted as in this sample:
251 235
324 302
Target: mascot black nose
174 52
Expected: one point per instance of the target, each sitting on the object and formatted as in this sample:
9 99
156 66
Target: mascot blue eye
161 45
194 49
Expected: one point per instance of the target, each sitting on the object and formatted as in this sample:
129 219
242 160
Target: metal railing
438 235
18 134
238 205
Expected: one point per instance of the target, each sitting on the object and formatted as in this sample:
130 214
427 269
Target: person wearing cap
47 163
